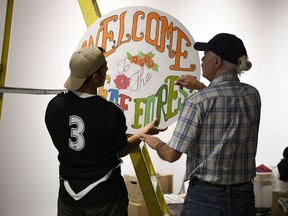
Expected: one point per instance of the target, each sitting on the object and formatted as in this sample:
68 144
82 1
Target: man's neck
88 90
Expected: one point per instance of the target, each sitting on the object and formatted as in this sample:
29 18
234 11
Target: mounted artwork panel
147 50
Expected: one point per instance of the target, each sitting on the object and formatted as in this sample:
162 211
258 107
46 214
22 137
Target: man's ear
218 62
96 78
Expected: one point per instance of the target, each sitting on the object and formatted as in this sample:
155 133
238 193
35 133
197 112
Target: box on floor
174 204
277 209
134 191
137 209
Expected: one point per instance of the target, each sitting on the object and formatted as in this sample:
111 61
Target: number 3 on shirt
77 133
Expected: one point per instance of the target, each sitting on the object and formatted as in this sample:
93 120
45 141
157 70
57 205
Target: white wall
45 33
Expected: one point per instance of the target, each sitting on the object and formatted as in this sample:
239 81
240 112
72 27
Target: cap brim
73 83
201 46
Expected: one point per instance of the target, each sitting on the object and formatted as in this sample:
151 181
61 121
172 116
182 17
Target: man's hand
150 140
152 128
189 82
164 151
134 140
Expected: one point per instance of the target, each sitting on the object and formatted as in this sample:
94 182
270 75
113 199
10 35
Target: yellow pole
90 11
5 48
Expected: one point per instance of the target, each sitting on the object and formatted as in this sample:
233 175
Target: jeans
206 200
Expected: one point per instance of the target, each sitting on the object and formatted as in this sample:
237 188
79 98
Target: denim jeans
203 200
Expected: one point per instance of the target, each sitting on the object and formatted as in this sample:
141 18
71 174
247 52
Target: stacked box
166 182
137 205
277 209
137 209
134 190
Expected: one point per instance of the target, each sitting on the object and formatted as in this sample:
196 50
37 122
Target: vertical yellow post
144 170
5 48
90 11
145 183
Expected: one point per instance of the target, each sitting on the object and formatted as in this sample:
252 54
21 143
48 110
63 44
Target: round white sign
147 50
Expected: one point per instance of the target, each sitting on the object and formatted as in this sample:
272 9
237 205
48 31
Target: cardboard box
174 204
137 209
277 209
134 191
166 182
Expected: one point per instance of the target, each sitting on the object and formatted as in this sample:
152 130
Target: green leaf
141 54
129 55
155 68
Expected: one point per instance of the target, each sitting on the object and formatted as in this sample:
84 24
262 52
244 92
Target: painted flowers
143 60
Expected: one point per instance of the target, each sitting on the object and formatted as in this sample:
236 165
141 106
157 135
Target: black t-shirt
88 133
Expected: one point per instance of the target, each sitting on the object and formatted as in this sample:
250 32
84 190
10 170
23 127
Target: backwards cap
83 63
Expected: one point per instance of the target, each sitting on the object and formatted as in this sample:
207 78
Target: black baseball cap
227 46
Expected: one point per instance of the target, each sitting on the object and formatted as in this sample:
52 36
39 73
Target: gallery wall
44 35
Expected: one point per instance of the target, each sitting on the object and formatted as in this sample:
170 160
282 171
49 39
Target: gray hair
243 65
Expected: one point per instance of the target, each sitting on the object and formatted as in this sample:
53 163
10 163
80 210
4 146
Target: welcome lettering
162 31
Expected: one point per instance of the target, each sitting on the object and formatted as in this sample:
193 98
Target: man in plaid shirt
218 130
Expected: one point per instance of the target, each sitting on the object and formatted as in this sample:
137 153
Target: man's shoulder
203 94
251 88
57 98
110 104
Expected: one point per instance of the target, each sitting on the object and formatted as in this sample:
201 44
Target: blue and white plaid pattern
218 130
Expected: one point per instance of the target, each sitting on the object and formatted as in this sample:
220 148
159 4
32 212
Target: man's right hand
189 82
152 128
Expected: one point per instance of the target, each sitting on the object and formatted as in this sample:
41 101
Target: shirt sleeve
187 127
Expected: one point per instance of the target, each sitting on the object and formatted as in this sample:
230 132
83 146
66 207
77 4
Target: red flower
141 63
150 64
147 58
122 82
134 59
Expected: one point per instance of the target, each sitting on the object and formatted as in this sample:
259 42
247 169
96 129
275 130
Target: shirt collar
224 77
83 94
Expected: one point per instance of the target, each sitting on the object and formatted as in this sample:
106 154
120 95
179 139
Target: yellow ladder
4 63
90 12
148 181
5 48
141 160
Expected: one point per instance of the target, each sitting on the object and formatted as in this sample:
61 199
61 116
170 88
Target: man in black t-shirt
89 133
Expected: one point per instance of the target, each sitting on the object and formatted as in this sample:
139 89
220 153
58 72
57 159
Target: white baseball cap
83 63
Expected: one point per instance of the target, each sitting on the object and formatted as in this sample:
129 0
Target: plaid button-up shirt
218 130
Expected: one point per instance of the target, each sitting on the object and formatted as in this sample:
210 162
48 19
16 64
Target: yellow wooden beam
143 176
5 47
158 192
90 11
